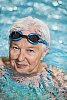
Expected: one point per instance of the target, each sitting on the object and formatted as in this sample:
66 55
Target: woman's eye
15 48
30 50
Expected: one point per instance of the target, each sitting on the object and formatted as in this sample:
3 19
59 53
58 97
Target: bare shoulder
4 61
60 75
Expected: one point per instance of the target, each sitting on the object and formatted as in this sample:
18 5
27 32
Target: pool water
15 90
54 13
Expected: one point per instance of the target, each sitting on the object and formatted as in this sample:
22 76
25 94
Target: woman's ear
44 53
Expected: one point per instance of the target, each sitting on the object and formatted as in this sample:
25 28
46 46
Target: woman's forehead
26 32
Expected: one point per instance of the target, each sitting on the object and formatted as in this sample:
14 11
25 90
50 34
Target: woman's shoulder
59 74
56 70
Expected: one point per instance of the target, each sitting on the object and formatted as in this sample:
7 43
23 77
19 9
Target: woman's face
24 56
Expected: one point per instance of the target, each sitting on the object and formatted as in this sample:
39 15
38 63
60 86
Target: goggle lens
33 37
15 35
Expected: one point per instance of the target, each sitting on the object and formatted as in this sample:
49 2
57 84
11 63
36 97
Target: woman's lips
21 65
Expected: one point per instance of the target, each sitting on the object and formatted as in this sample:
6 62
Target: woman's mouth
21 65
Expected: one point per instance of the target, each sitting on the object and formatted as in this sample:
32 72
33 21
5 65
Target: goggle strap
43 41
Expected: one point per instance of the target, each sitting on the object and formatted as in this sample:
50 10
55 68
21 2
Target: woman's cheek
13 54
32 58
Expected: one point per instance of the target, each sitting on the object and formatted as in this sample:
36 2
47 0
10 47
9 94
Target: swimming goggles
32 38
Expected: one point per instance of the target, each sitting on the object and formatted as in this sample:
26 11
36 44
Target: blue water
12 90
53 12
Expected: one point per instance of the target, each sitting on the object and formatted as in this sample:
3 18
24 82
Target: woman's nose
21 56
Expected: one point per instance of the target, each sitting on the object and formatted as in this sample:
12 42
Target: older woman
29 43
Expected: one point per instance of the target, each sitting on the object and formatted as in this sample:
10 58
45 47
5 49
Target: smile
21 65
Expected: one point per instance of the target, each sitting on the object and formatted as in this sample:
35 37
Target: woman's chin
22 70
